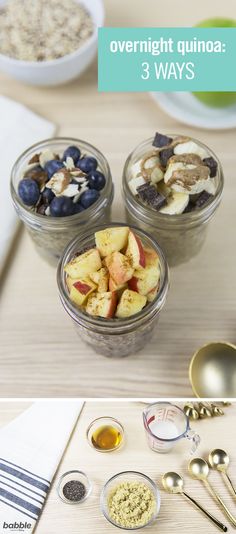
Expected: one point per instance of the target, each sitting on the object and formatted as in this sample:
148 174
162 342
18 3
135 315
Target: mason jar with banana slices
172 186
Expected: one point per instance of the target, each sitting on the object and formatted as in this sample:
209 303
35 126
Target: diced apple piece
135 251
119 268
101 278
145 280
113 286
111 239
102 304
151 257
85 264
130 303
81 290
152 294
69 282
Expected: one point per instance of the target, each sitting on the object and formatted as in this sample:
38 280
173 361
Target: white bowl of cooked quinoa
130 500
48 42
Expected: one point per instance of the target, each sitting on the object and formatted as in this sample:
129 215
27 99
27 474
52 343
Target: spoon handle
230 484
211 517
226 511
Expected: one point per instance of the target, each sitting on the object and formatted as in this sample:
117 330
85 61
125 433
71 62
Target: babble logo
16 526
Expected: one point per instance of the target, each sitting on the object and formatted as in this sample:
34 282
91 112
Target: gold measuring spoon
173 483
199 469
190 411
219 459
212 371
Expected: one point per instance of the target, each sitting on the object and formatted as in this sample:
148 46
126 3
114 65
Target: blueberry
52 166
78 207
72 152
61 206
87 164
47 195
89 197
28 190
97 180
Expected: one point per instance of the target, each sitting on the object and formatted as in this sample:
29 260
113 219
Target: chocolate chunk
161 140
150 196
165 155
212 164
41 209
203 198
190 207
38 174
34 159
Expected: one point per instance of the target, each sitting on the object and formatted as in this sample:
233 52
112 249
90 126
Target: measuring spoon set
199 469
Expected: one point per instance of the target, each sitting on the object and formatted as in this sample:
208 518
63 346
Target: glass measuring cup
165 424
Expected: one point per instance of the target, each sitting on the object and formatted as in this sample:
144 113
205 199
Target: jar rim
58 222
174 221
114 324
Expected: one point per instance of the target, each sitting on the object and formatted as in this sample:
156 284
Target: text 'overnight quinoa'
116 278
60 186
177 176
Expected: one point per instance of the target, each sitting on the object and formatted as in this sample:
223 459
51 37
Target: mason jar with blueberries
59 187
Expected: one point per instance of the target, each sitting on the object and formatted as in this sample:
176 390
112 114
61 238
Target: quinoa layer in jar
59 187
172 186
113 283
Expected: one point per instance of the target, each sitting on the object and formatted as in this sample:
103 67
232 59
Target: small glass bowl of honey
105 434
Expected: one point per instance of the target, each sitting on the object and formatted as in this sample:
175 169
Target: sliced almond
59 181
46 156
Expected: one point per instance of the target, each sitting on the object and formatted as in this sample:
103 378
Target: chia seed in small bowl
74 487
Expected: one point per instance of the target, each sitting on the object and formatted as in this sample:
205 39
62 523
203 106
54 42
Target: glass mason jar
113 337
180 236
52 234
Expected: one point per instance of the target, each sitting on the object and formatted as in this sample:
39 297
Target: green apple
217 99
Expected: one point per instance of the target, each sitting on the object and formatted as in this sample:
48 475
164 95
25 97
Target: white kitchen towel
31 447
19 129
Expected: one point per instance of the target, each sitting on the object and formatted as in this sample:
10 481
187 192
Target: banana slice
210 186
157 175
177 166
177 203
150 161
190 148
136 169
136 182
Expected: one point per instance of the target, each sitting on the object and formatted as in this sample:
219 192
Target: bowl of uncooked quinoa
48 42
130 500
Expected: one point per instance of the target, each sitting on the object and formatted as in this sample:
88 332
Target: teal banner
167 59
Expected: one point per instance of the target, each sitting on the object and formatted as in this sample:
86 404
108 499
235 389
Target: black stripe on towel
22 492
26 470
20 502
18 509
21 485
25 478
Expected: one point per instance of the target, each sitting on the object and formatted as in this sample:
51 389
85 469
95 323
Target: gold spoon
217 411
212 371
219 459
204 410
191 412
173 483
199 469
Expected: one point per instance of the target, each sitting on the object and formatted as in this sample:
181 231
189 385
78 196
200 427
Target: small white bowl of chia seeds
48 42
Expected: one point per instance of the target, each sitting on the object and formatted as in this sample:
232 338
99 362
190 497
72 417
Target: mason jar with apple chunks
181 236
51 234
113 337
